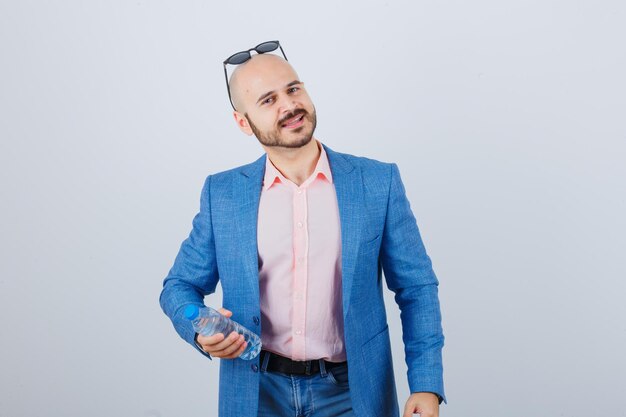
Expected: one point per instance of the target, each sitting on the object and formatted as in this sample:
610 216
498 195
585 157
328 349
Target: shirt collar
273 175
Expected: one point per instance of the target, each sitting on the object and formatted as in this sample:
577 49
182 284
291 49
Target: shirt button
299 191
299 224
256 320
255 368
298 332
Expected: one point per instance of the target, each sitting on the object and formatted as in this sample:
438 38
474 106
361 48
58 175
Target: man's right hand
223 347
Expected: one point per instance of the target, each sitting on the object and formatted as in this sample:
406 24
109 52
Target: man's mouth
294 122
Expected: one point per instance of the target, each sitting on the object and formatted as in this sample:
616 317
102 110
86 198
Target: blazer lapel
247 188
349 188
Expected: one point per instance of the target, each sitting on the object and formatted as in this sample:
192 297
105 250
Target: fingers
208 341
424 403
229 340
408 410
221 347
234 350
225 312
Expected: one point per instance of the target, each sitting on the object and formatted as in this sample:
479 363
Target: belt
277 363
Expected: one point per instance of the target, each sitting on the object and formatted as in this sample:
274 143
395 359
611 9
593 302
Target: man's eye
293 89
268 100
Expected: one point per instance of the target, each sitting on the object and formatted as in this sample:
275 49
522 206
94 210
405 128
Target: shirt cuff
195 340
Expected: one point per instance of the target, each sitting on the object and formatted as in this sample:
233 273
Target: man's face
273 101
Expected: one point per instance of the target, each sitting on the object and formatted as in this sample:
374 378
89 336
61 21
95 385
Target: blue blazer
378 233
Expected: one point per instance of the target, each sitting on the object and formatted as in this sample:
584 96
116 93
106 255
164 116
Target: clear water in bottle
207 322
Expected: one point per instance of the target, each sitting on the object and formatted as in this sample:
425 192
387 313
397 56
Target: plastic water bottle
207 322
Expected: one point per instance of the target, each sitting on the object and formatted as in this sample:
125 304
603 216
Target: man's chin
295 138
298 143
287 138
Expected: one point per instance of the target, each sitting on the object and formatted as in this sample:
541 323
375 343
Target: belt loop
307 367
266 360
323 372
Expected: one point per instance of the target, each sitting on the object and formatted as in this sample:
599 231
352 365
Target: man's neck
296 164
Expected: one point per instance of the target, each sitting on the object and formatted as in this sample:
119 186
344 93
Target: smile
294 122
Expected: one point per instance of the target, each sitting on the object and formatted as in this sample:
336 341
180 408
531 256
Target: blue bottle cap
192 311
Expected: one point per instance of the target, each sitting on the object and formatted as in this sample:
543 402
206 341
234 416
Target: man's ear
242 123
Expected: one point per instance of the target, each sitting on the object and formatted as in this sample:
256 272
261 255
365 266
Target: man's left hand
424 403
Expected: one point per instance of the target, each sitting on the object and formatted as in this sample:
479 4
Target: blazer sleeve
409 274
194 273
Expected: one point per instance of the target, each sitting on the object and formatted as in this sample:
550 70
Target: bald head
258 76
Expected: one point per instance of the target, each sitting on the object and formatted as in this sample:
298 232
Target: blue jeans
325 394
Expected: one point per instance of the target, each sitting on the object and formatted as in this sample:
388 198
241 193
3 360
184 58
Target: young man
298 240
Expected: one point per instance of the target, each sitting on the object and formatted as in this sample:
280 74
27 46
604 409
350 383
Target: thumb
409 409
225 312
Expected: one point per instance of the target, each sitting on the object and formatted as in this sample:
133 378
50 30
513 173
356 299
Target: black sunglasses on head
241 57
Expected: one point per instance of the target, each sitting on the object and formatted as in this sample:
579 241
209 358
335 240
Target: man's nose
286 103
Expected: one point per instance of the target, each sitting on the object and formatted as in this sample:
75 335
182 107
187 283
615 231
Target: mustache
294 113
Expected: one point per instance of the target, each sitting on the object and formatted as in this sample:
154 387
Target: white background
506 119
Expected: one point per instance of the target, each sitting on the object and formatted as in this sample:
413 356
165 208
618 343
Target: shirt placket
300 250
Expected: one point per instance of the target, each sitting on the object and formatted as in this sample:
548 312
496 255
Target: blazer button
256 320
255 368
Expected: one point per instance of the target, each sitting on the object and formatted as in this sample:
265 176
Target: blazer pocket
385 330
376 354
370 240
377 371
370 245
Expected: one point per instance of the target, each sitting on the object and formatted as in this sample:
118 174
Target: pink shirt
299 243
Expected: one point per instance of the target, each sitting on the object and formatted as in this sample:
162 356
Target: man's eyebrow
269 93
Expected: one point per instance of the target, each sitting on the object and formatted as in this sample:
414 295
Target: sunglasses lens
267 47
239 58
